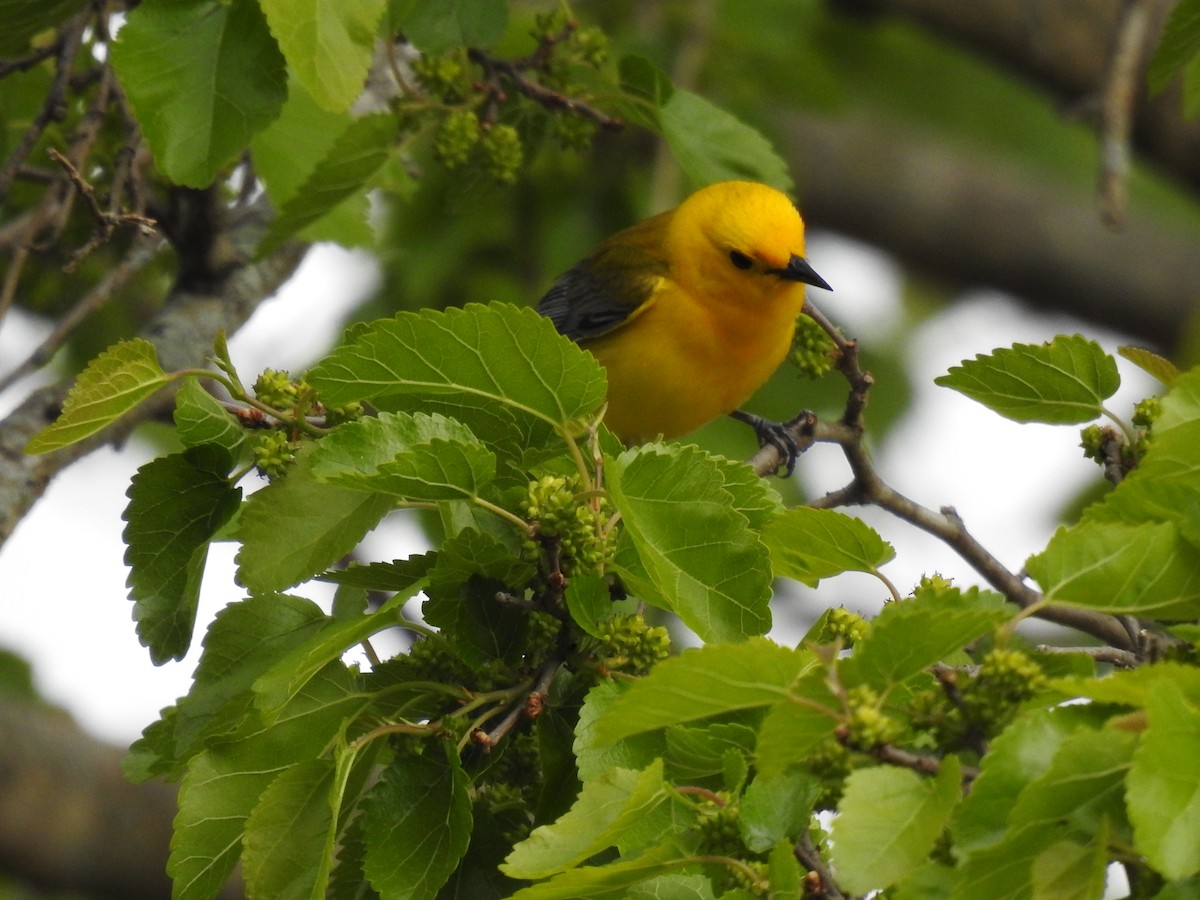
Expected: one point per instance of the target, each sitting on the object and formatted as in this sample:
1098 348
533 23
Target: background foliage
166 167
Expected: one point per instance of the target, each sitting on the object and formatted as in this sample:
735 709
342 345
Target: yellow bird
690 311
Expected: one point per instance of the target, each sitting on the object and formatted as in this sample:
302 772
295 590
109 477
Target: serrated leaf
439 25
357 154
396 575
888 821
908 637
1179 46
202 77
704 682
701 559
1120 568
412 457
700 754
777 808
1158 367
1163 791
289 834
594 759
176 504
25 19
799 724
327 43
1069 870
322 523
242 642
225 781
590 602
609 880
417 824
604 815
810 544
116 381
500 354
1016 758
1165 487
1063 382
201 419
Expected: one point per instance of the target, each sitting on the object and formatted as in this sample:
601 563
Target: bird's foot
785 437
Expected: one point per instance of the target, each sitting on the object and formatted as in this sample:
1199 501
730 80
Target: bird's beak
798 269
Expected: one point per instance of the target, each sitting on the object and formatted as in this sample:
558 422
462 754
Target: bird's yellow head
741 242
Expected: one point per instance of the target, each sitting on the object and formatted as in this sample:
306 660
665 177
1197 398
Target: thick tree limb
978 221
182 333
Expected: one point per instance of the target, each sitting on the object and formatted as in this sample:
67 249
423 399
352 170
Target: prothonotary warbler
689 311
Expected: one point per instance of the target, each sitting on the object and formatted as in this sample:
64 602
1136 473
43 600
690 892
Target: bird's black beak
798 269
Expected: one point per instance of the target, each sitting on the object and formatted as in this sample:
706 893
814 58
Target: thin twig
1116 109
54 107
139 256
1122 659
532 701
810 857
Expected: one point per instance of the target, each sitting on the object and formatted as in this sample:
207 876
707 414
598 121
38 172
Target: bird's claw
780 435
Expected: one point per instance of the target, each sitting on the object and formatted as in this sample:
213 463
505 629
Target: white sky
63 602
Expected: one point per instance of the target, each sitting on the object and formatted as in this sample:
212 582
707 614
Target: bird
690 311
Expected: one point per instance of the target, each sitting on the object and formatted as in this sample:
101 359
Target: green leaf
413 457
610 811
498 354
25 19
396 575
1144 569
702 560
1179 46
777 808
322 523
1165 487
787 878
225 781
799 724
357 154
1158 367
1016 758
810 544
176 504
589 601
908 637
1084 785
289 834
202 78
713 145
704 682
1069 870
1063 382
201 419
278 686
435 26
288 151
888 821
699 754
607 881
328 44
243 641
592 758
1164 784
709 143
116 381
417 823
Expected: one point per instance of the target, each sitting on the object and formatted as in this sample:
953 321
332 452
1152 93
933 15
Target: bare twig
529 707
54 107
138 257
1116 110
868 488
1122 659
811 859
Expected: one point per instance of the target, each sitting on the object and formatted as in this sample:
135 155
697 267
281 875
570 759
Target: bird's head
742 240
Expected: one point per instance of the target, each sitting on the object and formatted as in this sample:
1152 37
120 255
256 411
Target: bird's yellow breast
685 360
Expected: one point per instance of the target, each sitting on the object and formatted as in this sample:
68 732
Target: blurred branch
982 221
182 333
69 819
1065 48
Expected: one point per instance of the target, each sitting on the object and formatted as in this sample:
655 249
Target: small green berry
503 155
813 352
456 138
273 453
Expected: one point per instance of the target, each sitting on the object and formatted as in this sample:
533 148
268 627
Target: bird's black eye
741 260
